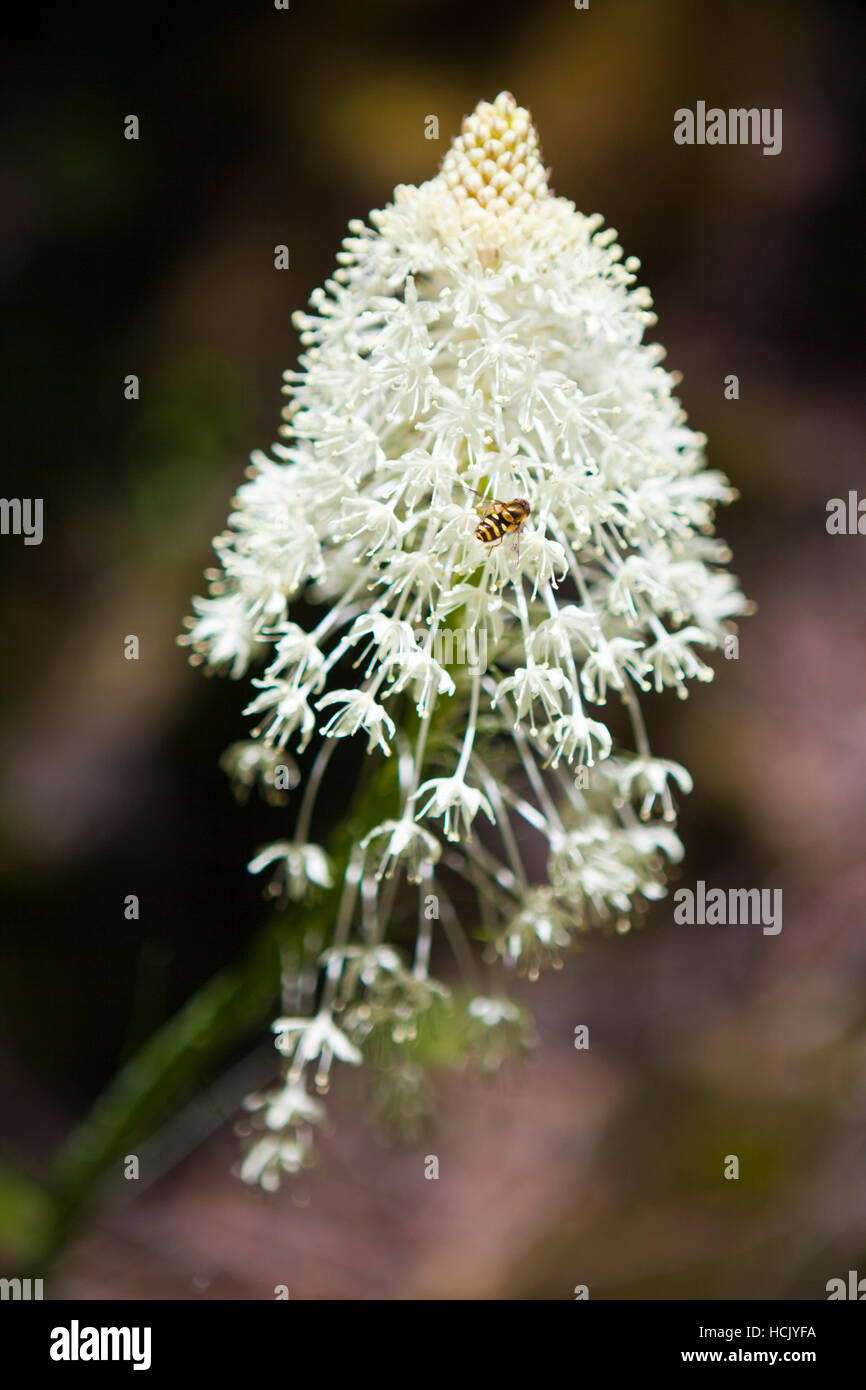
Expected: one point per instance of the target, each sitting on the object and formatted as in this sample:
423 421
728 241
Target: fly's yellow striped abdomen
489 530
502 518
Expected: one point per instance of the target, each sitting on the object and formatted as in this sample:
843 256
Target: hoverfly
499 519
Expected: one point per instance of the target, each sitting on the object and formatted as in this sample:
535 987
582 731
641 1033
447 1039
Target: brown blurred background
155 257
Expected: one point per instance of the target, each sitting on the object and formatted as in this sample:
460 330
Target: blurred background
155 257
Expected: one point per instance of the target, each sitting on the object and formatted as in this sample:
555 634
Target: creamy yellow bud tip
495 160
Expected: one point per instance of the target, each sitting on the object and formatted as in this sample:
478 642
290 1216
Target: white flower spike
479 336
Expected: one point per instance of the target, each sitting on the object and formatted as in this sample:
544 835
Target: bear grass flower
479 336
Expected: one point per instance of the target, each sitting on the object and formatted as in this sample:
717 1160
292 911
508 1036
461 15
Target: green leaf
28 1213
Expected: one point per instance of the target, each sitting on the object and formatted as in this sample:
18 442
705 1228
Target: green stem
231 1006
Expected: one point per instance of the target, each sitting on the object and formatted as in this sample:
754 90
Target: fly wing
487 506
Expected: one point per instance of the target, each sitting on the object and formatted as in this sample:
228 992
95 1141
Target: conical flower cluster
481 341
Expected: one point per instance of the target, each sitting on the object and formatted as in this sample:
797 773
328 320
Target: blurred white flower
297 867
224 633
286 1105
315 1036
250 763
270 1157
406 841
650 778
493 1011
